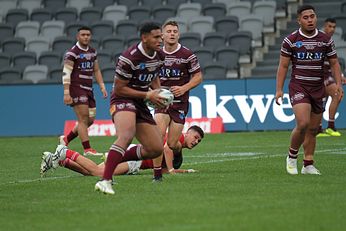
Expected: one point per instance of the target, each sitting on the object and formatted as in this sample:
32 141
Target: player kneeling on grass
76 162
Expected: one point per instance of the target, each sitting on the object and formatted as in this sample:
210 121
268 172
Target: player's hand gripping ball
166 94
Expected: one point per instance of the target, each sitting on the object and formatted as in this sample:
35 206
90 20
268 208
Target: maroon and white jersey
308 54
136 66
178 68
83 67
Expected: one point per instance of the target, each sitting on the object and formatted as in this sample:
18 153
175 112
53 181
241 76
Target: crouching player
76 162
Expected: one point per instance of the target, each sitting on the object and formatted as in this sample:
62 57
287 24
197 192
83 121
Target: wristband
171 170
147 95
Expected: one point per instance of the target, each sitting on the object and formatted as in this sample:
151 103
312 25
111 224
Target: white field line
39 179
239 156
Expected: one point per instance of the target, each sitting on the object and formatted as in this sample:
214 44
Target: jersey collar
302 34
79 46
178 47
141 49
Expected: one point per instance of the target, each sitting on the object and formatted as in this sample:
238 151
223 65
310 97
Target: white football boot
46 163
291 166
104 186
310 169
60 154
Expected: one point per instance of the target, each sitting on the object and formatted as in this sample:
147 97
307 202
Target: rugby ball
166 94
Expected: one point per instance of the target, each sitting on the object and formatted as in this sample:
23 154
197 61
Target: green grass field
241 185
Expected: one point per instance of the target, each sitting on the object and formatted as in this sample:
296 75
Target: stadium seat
113 43
189 10
343 7
29 4
101 29
227 24
139 13
128 3
215 10
14 16
115 13
13 45
126 28
38 44
191 40
341 21
133 40
228 56
202 2
52 29
10 75
214 40
62 44
266 9
201 24
175 3
72 28
341 50
50 58
161 13
226 2
242 40
27 29
102 3
54 5
7 5
264 71
55 74
35 73
5 59
104 57
108 73
182 23
6 31
22 59
41 15
239 9
205 55
252 23
214 71
152 3
94 43
78 4
90 14
66 14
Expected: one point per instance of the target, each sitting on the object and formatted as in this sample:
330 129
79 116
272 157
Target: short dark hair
147 27
331 20
84 28
303 8
171 23
197 129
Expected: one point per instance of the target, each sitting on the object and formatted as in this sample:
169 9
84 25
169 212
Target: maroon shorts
328 81
82 96
143 114
315 96
177 112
